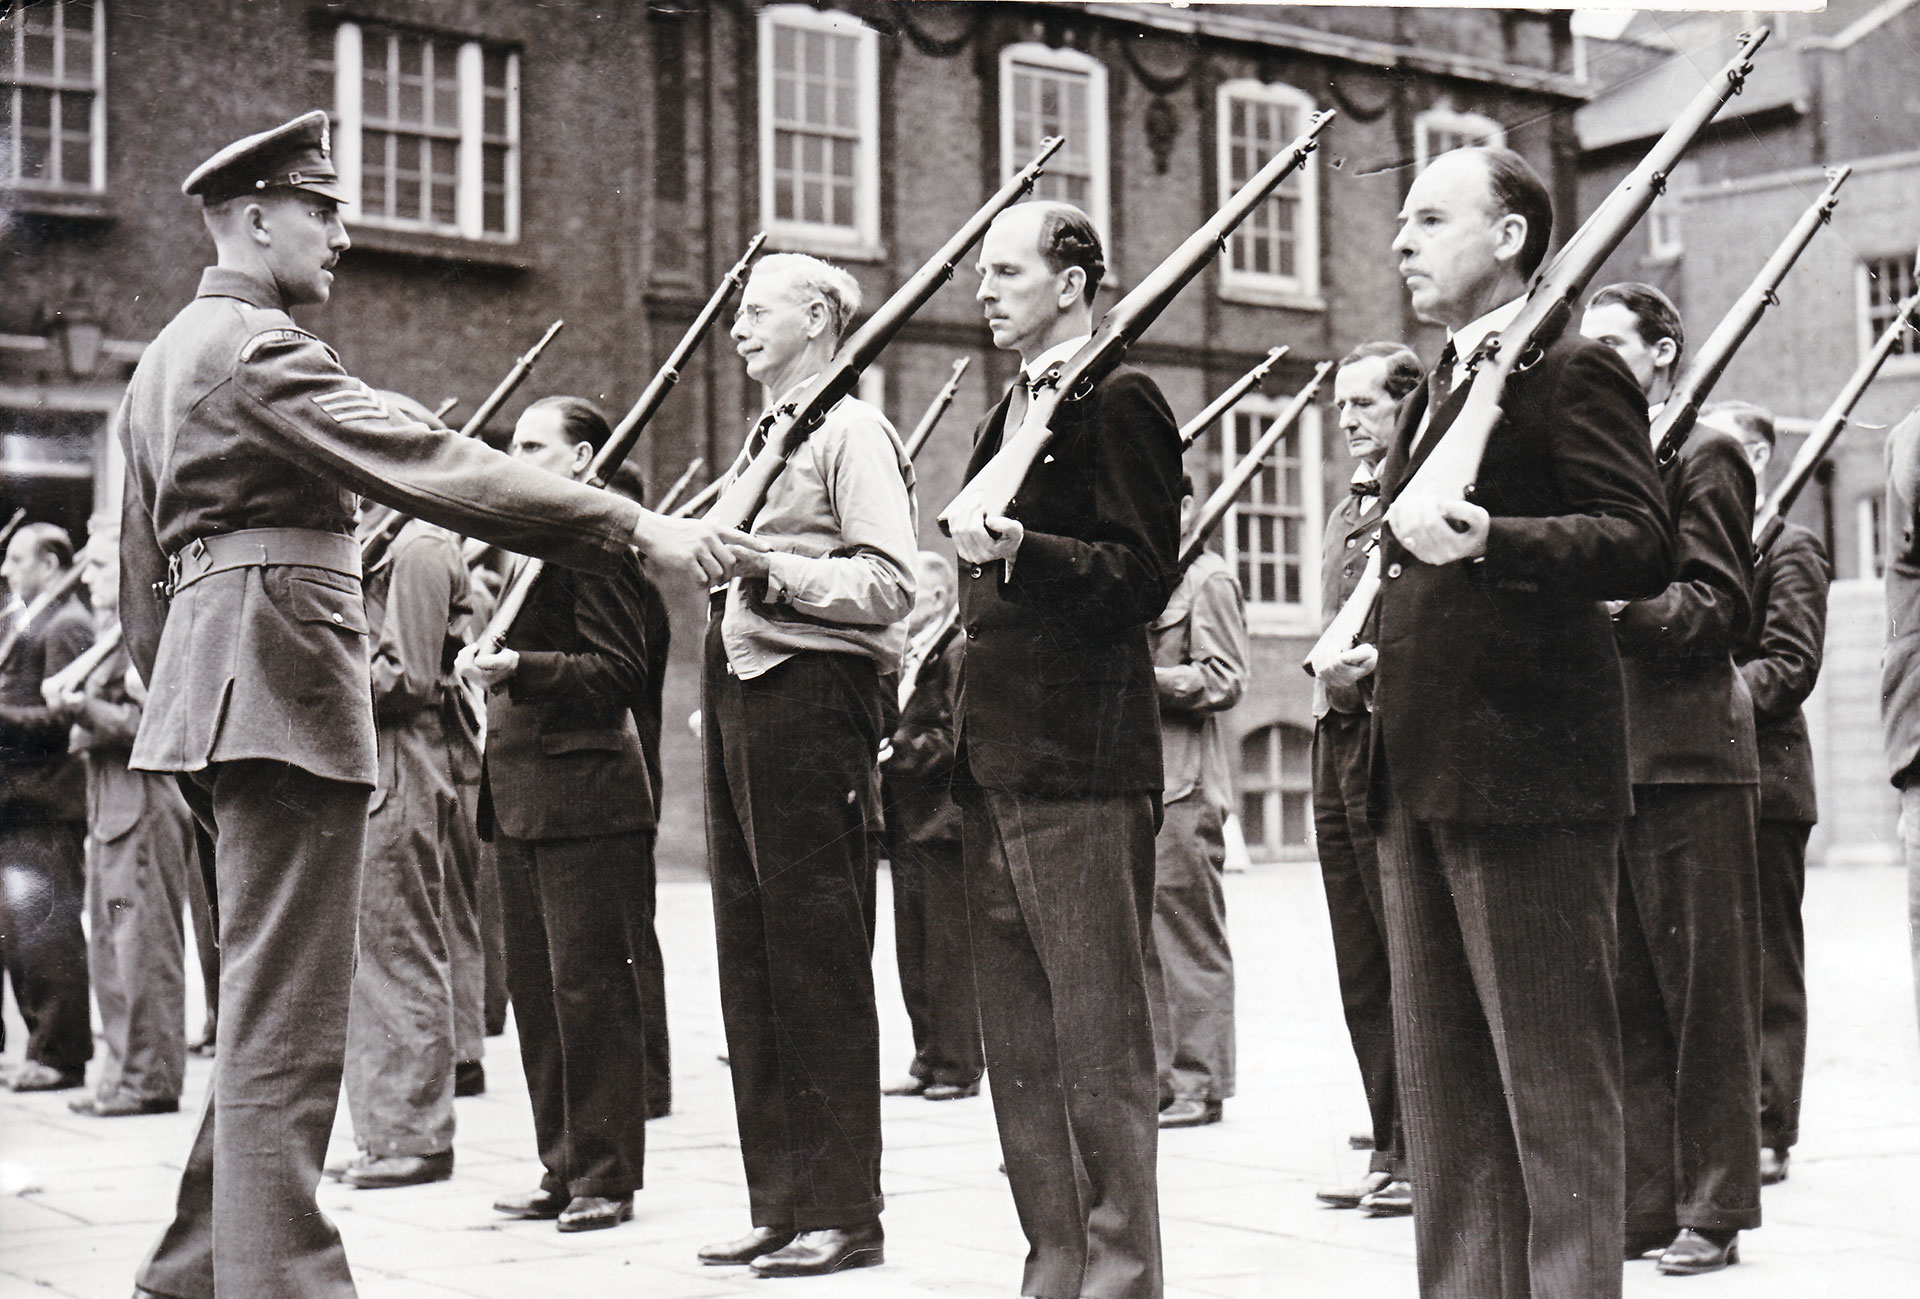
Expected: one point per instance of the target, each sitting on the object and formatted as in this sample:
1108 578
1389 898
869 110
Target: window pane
446 84
77 56
36 39
76 139
1253 819
36 132
493 213
1293 820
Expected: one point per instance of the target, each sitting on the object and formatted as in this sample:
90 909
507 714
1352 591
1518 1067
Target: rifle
994 486
1683 406
1450 469
1250 464
694 466
373 546
62 587
1190 431
943 399
606 461
75 674
796 419
699 500
1772 514
13 526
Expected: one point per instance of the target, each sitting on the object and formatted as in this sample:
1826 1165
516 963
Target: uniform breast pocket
312 600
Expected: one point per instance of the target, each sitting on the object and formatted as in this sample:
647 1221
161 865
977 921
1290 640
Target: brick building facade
605 162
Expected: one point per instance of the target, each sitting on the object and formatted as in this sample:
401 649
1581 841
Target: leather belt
336 552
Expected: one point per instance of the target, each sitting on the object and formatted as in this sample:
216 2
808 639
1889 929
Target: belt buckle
184 562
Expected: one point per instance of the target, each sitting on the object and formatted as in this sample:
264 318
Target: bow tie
1366 488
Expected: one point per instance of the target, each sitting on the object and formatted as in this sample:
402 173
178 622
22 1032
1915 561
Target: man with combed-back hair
1059 773
797 650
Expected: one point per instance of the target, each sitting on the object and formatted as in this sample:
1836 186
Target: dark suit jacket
573 738
39 780
1900 666
918 776
1780 661
1057 695
1352 526
1498 696
1689 718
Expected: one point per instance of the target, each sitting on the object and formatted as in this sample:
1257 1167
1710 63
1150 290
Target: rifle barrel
1226 401
75 674
444 408
694 466
515 377
1242 473
937 410
13 526
62 587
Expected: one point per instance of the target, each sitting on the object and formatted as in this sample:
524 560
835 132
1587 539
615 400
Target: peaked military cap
294 155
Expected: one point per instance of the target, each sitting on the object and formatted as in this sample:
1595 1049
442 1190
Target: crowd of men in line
1563 789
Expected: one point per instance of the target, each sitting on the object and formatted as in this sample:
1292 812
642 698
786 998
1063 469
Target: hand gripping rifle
935 411
1190 431
607 461
993 488
1677 417
797 418
75 674
1250 464
373 546
1450 469
1772 514
62 587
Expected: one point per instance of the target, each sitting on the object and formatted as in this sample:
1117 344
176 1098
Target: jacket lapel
1405 459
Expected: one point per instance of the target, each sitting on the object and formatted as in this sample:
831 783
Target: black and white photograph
1147 649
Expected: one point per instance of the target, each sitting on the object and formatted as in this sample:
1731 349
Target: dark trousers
1781 853
1060 900
789 780
1689 994
206 928
1189 964
1350 873
466 950
1503 946
43 885
935 953
286 870
575 911
136 946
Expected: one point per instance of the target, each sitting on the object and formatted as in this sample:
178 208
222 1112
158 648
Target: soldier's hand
750 556
983 538
1352 667
486 668
1438 531
698 548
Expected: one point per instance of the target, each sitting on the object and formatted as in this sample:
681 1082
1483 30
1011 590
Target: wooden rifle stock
672 495
796 420
1190 431
1772 514
1250 464
994 486
937 410
1450 468
1683 406
75 674
62 587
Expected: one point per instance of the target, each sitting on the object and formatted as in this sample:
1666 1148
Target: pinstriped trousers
1503 943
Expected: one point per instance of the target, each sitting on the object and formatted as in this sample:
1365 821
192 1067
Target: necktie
1365 488
757 440
1440 382
1018 399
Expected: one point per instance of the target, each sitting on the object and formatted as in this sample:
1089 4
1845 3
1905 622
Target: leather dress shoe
383 1172
1773 1166
1187 1112
32 1076
121 1107
1349 1197
539 1206
1394 1200
594 1213
1693 1252
761 1240
952 1091
907 1087
831 1249
469 1078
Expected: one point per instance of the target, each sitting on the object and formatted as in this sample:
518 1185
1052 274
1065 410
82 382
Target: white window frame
1046 58
469 193
1271 788
1432 120
1300 290
1278 618
1869 536
15 78
862 238
1901 363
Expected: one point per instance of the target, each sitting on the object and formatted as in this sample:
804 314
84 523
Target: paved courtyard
82 1199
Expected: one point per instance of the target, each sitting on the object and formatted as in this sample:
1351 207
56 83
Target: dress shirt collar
1467 340
788 395
1364 472
1653 421
1058 352
225 282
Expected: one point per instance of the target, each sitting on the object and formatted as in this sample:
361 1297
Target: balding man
1059 774
1500 761
247 444
792 709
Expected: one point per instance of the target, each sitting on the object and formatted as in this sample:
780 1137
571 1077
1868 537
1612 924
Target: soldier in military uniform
246 444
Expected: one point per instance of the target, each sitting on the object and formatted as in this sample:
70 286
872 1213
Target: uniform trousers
287 848
1350 874
400 1026
1189 964
43 885
1689 994
1502 941
1060 901
206 930
1781 853
931 943
136 945
574 911
466 952
789 779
